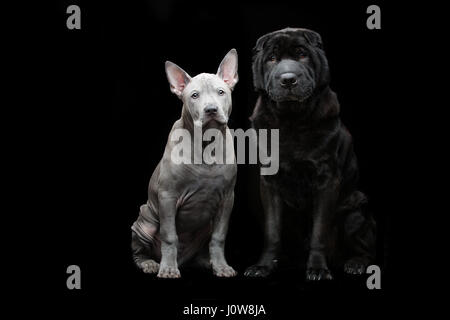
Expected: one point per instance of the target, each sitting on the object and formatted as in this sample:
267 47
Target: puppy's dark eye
221 92
194 95
273 58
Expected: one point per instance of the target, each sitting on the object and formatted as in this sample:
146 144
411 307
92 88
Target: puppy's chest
200 201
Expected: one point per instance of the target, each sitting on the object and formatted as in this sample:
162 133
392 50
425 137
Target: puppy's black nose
288 80
211 109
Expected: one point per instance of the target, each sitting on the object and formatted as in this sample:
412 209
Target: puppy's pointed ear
178 78
228 69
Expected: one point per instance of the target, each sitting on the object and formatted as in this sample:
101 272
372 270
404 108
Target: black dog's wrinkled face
289 64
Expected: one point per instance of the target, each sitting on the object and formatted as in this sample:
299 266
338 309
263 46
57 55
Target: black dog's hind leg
143 255
272 205
359 241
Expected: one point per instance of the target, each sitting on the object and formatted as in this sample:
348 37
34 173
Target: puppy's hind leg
144 241
142 255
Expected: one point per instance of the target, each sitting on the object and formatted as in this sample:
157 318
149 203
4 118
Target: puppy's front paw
315 274
149 266
354 267
258 271
168 272
224 271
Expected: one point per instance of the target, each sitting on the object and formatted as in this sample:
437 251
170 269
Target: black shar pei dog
318 170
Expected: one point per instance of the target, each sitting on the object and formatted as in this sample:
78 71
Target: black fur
318 170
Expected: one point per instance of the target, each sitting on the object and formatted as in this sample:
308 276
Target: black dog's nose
288 80
211 109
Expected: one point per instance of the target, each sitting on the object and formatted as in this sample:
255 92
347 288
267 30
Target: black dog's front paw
258 271
355 267
315 274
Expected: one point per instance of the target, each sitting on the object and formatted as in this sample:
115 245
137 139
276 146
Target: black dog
318 170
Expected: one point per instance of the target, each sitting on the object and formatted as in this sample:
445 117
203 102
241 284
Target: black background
102 122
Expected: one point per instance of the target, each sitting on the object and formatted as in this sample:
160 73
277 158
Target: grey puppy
189 204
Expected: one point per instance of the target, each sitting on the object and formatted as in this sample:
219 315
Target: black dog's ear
257 62
313 38
260 43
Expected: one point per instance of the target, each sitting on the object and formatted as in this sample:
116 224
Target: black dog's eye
194 95
273 58
301 53
221 92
